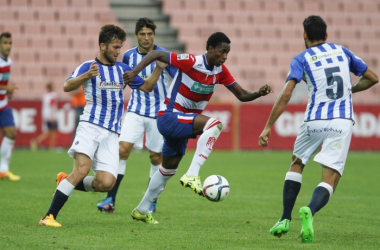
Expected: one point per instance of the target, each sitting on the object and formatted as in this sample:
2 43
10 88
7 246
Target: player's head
50 86
5 44
218 47
314 29
111 39
145 32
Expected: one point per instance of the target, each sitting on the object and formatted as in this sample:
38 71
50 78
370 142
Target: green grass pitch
351 220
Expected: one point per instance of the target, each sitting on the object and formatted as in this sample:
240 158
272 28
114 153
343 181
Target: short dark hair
145 22
5 34
216 39
315 28
110 32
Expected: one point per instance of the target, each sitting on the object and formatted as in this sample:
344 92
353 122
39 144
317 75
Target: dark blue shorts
176 128
51 125
6 118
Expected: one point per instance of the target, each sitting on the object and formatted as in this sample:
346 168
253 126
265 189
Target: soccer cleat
153 207
49 221
106 205
280 228
307 231
9 176
147 218
60 177
193 182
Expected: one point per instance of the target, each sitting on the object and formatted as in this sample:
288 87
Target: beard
108 58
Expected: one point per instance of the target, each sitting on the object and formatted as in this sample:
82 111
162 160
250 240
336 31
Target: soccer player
96 142
181 118
141 110
49 117
328 120
7 123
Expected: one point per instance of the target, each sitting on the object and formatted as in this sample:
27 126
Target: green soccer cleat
193 182
147 218
280 228
307 231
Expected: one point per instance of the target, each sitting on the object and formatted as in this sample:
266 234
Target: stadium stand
266 35
51 37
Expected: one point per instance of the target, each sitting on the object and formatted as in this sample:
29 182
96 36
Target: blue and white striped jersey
148 104
326 70
104 94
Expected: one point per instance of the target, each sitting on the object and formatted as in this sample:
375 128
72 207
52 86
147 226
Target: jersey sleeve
172 70
83 68
357 65
226 78
184 62
295 70
137 81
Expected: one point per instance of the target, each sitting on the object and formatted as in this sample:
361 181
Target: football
216 188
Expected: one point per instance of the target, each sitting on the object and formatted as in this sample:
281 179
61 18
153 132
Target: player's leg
304 147
9 132
132 133
337 137
154 143
65 186
209 129
52 130
156 186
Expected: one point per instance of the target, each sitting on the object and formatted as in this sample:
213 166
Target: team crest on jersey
183 57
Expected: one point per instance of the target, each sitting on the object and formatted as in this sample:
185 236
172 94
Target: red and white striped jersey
5 71
194 83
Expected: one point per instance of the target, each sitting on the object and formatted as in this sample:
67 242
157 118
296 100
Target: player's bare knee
123 153
155 158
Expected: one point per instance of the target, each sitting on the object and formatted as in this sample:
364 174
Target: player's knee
123 152
155 158
11 134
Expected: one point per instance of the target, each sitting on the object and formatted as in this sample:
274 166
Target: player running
181 117
328 120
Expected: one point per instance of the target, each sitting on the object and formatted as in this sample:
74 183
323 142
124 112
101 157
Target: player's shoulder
122 65
157 47
130 51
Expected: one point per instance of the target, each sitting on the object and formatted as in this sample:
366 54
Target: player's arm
74 83
246 95
9 88
367 80
151 81
161 56
278 108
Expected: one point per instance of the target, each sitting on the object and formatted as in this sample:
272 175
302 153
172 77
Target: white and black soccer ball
216 188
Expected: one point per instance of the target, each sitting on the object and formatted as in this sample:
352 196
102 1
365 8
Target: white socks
65 187
293 176
153 169
211 132
122 167
156 186
87 181
5 153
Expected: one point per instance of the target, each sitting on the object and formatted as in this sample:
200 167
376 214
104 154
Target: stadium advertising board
366 131
242 125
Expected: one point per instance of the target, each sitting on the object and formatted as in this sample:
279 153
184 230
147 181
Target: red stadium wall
242 125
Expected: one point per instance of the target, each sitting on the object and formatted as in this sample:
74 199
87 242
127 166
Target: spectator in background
49 119
78 101
7 123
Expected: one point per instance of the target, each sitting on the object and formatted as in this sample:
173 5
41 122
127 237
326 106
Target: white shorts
333 135
133 129
98 143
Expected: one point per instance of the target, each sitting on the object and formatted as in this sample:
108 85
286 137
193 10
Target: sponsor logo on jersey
183 57
202 89
322 130
325 55
110 85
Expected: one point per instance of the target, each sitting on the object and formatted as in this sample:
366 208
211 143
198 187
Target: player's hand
129 76
264 90
160 64
264 137
10 90
93 71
